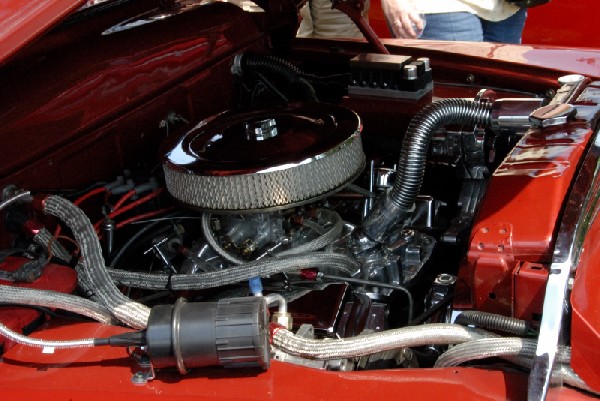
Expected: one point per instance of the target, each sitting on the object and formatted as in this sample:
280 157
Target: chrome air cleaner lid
269 159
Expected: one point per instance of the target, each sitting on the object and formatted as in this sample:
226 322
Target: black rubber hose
398 203
492 321
411 166
301 89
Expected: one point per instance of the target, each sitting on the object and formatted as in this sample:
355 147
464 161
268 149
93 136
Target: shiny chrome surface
513 113
570 87
265 160
581 210
552 114
261 130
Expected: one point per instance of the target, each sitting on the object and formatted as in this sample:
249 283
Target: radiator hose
397 204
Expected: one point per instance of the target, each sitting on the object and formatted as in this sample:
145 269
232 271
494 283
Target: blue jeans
469 27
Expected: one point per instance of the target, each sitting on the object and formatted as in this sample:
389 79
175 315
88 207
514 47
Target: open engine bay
351 216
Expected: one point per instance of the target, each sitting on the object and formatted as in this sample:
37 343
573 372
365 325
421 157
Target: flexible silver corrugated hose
53 299
499 323
236 274
43 238
35 342
96 278
92 267
413 336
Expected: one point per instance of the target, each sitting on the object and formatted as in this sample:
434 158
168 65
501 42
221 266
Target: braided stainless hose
53 299
236 274
516 350
412 336
487 348
92 267
35 342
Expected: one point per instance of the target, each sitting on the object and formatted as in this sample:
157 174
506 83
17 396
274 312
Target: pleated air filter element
265 160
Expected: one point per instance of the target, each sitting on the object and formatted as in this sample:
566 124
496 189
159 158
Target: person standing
321 20
466 20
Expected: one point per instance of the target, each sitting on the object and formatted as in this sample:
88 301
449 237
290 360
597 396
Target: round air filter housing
264 160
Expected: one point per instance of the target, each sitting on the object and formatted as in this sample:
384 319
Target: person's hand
403 18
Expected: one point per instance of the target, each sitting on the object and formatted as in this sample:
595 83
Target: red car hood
22 21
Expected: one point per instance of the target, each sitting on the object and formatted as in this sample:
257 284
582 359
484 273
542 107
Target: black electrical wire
376 284
135 237
153 297
431 311
129 339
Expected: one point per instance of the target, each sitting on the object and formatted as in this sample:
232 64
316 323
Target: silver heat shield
265 160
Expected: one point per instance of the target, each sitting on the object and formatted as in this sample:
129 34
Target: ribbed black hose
411 166
294 77
494 322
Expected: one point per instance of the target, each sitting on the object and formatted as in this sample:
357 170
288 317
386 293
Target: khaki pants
319 20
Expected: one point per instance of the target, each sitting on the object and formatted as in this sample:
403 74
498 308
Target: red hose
123 199
88 195
120 209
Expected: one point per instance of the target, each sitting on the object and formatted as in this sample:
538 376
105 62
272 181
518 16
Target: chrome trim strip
581 210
